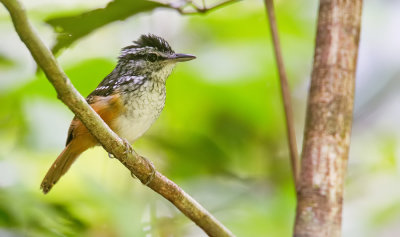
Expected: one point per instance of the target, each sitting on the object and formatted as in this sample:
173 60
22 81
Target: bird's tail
60 166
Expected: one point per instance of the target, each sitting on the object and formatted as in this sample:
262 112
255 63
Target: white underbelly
132 127
142 108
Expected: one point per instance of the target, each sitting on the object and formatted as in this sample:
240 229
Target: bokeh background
221 136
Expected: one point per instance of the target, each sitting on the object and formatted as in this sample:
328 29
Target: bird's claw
128 146
128 150
153 171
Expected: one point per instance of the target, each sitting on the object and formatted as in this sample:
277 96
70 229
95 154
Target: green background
221 136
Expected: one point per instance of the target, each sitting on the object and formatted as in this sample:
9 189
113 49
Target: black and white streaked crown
152 41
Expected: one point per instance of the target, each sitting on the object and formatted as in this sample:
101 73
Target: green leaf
72 28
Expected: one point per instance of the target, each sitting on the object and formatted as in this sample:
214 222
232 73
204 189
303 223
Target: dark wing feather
70 132
113 83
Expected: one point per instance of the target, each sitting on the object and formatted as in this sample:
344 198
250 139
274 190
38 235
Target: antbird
129 99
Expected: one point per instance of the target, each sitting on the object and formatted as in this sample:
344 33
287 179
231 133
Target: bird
129 99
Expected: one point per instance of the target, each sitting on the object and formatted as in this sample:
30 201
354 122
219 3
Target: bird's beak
180 57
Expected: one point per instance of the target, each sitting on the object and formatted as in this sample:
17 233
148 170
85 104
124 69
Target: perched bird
129 99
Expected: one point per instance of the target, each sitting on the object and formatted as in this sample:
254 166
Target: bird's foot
151 176
153 171
128 150
128 146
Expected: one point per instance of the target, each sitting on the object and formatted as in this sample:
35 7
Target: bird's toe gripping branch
153 171
152 174
128 146
129 150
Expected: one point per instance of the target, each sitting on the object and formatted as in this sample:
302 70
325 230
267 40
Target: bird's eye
152 57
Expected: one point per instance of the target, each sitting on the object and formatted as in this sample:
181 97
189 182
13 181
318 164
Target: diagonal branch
294 155
195 8
139 166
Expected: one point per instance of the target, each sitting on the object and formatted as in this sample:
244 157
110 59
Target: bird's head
150 54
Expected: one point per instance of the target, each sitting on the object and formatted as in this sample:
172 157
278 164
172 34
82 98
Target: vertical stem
291 134
329 119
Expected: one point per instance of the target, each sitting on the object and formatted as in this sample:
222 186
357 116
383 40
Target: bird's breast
141 108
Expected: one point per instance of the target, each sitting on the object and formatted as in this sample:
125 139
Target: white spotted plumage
142 106
140 82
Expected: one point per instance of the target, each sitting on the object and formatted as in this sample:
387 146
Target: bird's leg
129 149
153 171
128 146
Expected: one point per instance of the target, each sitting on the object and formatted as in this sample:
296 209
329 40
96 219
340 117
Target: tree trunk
329 119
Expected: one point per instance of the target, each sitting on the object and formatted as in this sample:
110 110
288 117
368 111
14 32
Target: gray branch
113 144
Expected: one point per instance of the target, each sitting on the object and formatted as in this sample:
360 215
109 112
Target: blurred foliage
221 136
5 62
72 28
213 137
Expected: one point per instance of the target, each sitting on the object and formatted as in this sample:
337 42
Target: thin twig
137 165
199 9
294 155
